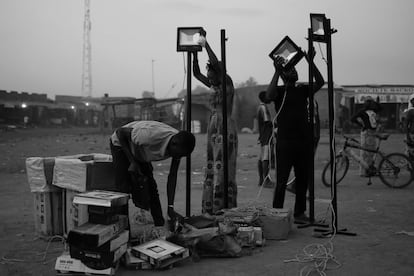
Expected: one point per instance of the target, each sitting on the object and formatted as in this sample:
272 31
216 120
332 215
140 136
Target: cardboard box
109 246
276 223
100 175
102 198
160 253
85 173
95 235
133 263
39 171
65 264
48 218
98 259
74 214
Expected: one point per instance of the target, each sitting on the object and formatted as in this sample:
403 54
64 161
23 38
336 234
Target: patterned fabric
213 187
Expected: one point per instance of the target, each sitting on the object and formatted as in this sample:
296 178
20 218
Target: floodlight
187 39
289 51
318 25
23 105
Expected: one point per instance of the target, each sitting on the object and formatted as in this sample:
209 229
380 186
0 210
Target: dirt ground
382 218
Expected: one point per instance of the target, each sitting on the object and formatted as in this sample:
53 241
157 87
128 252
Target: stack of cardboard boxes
102 241
54 181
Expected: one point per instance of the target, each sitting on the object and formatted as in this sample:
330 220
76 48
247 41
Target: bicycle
395 169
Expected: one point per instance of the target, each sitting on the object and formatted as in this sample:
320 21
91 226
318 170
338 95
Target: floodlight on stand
318 25
288 50
187 39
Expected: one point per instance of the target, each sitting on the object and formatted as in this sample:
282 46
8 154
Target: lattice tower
87 57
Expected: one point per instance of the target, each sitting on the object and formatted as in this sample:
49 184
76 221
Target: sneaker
301 219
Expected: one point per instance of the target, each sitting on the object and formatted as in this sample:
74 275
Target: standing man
293 145
265 134
134 146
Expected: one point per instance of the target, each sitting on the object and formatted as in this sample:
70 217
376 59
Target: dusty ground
377 214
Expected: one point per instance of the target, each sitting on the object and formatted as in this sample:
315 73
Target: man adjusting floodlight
293 142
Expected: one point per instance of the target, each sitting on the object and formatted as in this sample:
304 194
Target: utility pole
87 58
153 82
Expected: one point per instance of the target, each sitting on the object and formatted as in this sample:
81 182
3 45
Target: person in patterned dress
213 186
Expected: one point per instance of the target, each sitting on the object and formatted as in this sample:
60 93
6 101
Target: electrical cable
43 260
316 253
273 140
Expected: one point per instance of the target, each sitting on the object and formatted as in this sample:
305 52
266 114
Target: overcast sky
42 41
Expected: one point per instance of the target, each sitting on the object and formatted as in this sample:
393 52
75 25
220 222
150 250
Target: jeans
290 154
124 181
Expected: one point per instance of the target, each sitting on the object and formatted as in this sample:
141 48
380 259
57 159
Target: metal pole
331 124
224 109
312 144
312 126
188 118
331 102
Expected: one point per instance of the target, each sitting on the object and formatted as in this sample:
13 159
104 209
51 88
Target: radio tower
87 58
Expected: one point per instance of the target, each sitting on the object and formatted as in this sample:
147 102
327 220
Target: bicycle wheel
342 166
396 170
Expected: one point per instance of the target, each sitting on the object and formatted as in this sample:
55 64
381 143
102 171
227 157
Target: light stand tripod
313 146
326 38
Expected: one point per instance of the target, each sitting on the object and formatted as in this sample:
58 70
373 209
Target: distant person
265 134
26 121
293 145
367 120
409 127
134 146
213 187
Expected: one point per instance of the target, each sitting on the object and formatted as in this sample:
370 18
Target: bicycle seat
382 136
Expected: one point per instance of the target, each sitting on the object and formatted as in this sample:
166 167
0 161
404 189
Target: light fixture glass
187 39
288 50
318 22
